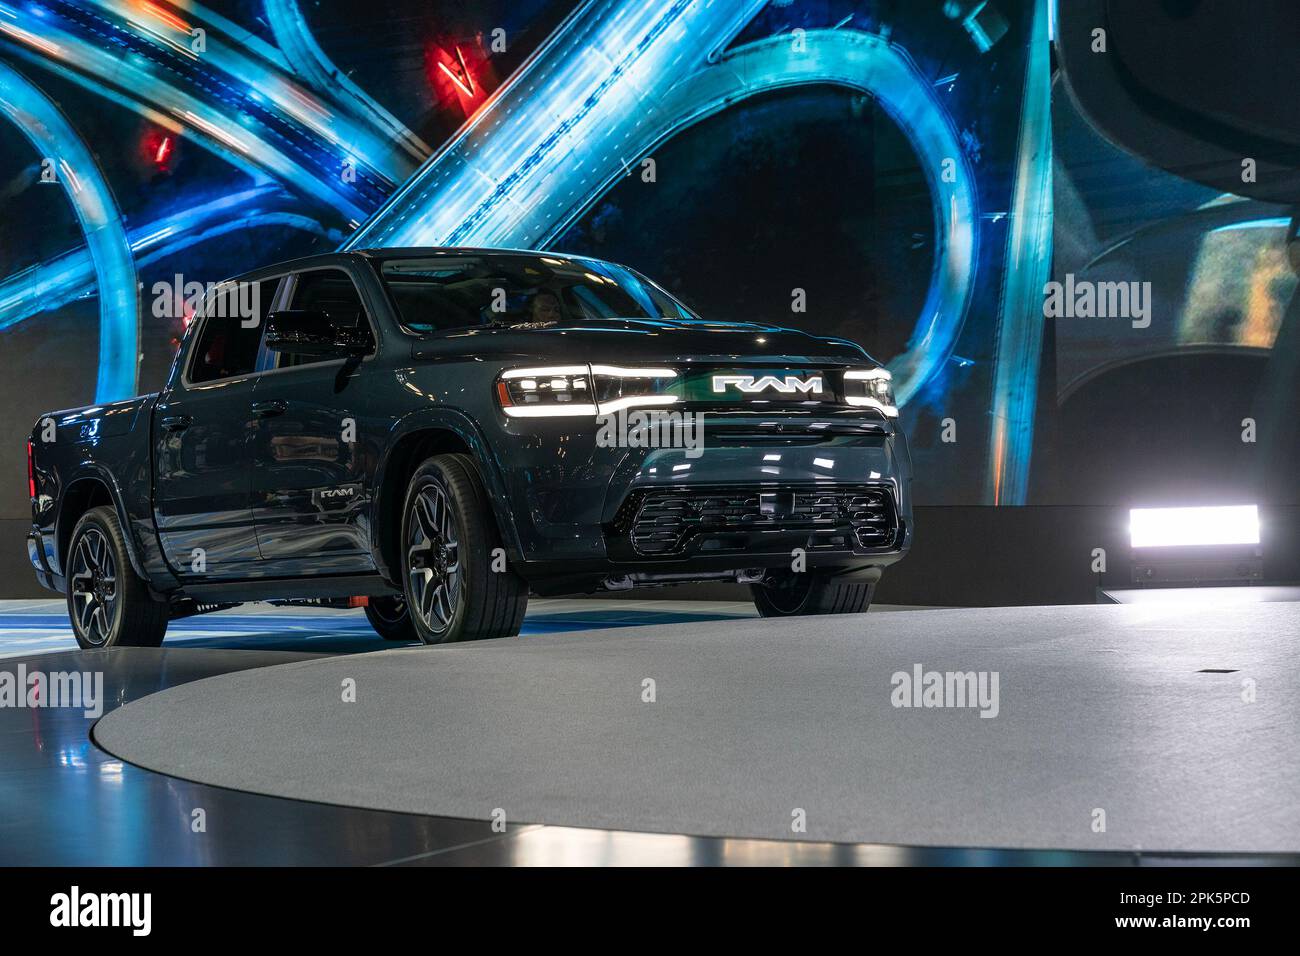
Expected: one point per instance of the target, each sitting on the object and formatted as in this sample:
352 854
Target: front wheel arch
453 587
413 442
814 592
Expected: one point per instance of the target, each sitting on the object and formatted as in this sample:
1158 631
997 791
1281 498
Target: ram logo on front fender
789 385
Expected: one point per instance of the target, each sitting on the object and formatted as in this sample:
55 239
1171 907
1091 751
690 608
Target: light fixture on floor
1198 545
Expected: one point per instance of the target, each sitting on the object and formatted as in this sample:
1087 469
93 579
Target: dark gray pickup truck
436 433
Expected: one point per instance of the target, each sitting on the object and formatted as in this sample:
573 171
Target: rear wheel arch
84 493
108 604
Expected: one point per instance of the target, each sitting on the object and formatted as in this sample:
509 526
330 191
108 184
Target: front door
313 449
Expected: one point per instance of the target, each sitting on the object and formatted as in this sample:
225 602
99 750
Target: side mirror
311 332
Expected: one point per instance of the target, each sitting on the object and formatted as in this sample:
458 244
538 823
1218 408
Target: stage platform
766 742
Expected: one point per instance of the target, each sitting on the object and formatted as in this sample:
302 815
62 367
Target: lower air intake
674 521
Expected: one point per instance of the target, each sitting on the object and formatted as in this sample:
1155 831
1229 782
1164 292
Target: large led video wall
877 170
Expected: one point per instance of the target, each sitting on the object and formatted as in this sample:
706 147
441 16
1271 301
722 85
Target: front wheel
108 604
811 592
457 585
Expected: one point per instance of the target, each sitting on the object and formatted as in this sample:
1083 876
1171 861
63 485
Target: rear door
202 428
314 449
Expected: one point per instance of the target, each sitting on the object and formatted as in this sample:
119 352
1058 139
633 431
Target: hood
681 341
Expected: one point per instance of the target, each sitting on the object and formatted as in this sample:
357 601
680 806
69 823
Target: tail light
31 473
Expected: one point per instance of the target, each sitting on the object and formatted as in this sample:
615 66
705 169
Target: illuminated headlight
871 388
546 392
582 390
619 388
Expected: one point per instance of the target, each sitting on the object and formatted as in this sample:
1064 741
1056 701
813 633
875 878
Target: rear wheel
811 592
108 604
457 588
390 618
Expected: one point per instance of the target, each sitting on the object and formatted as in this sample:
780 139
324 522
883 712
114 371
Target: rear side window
231 330
333 292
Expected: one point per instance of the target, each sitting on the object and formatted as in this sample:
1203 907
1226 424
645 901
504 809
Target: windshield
452 292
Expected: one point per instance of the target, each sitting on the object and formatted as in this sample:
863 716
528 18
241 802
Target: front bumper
761 488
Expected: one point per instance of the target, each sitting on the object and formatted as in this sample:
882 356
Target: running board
266 589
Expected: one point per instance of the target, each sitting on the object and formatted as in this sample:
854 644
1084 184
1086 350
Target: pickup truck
436 433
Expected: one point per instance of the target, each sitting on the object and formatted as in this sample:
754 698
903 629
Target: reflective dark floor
33 627
66 802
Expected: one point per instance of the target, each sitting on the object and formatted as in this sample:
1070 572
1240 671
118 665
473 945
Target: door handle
176 423
269 409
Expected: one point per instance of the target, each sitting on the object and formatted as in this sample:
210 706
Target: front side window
230 332
332 292
453 292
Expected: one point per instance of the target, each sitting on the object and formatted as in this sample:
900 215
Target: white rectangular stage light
1184 527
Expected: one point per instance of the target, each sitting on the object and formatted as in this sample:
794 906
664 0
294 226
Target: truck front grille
674 521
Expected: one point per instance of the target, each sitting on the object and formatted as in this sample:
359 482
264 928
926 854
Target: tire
109 606
448 539
391 619
812 592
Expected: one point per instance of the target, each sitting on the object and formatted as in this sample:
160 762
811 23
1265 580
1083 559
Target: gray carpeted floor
1100 708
